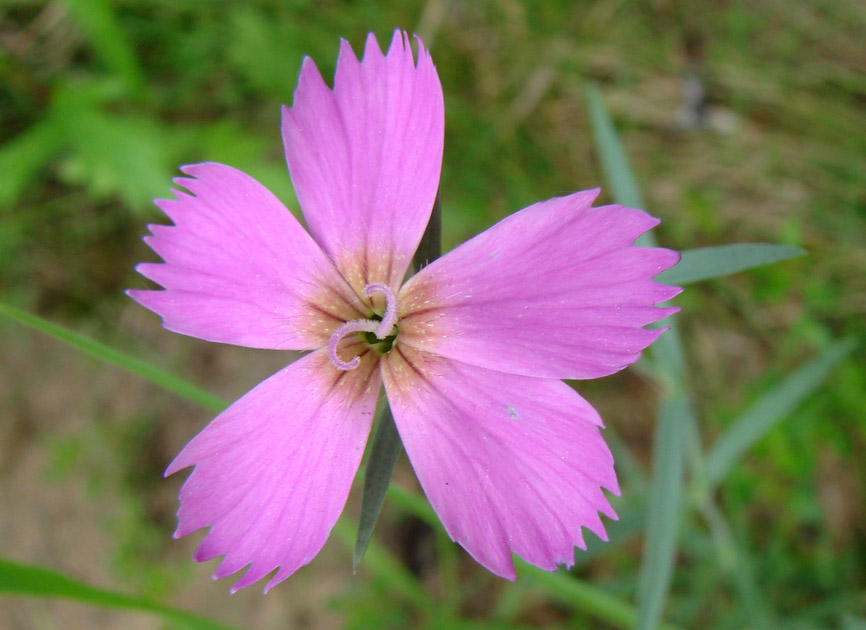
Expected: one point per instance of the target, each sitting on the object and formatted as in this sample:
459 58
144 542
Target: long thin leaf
588 598
737 565
665 501
33 581
676 416
106 353
754 423
384 451
614 162
714 262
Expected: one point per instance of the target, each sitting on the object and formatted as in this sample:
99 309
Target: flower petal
555 290
239 268
510 463
365 158
273 471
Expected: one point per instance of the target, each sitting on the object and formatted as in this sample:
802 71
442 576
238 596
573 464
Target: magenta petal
365 158
239 268
510 463
555 290
273 471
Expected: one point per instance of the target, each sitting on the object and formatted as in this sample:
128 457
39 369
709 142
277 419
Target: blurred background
745 121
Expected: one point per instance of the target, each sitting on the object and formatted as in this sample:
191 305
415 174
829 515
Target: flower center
378 331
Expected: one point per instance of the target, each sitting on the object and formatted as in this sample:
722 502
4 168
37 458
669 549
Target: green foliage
715 262
116 357
31 581
756 456
774 406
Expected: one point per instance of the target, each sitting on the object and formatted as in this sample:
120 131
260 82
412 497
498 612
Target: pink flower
470 350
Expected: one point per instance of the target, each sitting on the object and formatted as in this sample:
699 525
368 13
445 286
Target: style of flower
470 350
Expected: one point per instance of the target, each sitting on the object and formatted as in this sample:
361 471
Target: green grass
101 101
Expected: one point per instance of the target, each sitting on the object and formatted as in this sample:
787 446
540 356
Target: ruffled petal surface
273 471
365 158
510 463
239 268
555 290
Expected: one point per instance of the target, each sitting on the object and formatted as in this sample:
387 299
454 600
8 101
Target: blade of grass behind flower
754 423
737 566
614 162
33 581
106 353
663 514
714 262
666 483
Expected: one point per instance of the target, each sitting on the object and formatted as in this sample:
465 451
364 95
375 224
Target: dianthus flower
471 349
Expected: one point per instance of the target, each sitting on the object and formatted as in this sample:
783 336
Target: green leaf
99 23
614 162
676 415
754 423
663 511
111 154
23 156
583 596
384 452
33 581
714 262
100 351
737 565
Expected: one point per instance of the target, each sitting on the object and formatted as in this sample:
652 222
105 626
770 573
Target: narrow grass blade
106 353
714 262
754 423
583 596
737 566
614 162
663 514
33 581
384 451
666 484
